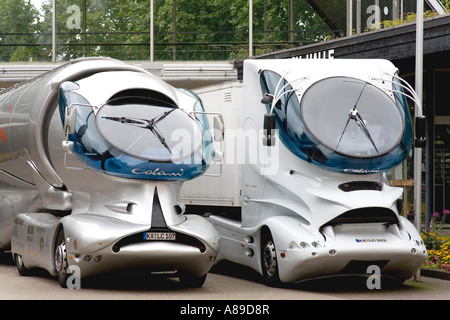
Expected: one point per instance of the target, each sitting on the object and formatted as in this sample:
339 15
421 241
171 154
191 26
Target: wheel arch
283 230
34 240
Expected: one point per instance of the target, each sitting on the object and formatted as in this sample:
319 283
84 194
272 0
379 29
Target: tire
269 263
60 259
23 271
190 281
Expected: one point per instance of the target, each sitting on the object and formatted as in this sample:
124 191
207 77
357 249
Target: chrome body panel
34 239
303 217
107 252
44 188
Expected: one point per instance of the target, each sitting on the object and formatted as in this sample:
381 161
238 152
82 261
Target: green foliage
437 243
16 17
409 17
446 4
203 29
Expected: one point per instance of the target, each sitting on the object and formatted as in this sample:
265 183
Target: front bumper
157 256
121 247
352 252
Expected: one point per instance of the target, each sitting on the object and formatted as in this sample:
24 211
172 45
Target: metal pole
405 193
401 9
291 21
265 21
152 32
418 113
174 35
54 31
395 10
349 18
358 17
250 28
84 27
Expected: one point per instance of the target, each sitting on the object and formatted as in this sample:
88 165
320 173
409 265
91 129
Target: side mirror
69 120
420 132
68 146
268 98
217 156
269 130
219 128
218 135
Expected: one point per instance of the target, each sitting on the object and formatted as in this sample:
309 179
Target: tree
221 28
271 24
18 22
115 28
201 30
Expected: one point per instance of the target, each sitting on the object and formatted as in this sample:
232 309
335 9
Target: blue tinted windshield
342 124
135 137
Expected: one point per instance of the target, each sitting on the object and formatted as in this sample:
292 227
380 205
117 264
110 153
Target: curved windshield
352 117
145 131
342 124
137 137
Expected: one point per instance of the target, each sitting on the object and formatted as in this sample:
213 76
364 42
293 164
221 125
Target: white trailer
221 187
303 191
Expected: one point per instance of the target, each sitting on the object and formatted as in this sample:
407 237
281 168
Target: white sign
327 54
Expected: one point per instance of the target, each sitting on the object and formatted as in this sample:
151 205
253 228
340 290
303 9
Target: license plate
159 235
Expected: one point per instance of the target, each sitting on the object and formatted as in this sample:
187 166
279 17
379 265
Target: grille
180 238
365 215
360 266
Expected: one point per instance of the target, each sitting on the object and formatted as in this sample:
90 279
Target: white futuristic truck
92 157
311 198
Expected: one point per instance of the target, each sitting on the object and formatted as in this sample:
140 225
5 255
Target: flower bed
437 243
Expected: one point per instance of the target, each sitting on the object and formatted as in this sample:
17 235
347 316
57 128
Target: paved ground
227 281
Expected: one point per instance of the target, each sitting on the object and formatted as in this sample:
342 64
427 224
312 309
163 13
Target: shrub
437 243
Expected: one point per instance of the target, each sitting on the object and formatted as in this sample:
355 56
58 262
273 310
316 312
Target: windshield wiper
140 122
146 124
154 129
143 123
354 115
360 122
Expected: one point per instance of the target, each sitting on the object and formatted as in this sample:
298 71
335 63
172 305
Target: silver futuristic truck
312 197
92 157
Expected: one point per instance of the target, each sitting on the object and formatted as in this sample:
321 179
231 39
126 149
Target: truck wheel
269 259
23 271
60 259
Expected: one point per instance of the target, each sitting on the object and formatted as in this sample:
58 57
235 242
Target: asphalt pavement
226 281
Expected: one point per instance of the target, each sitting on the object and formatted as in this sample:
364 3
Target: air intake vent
227 97
360 267
365 215
361 185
